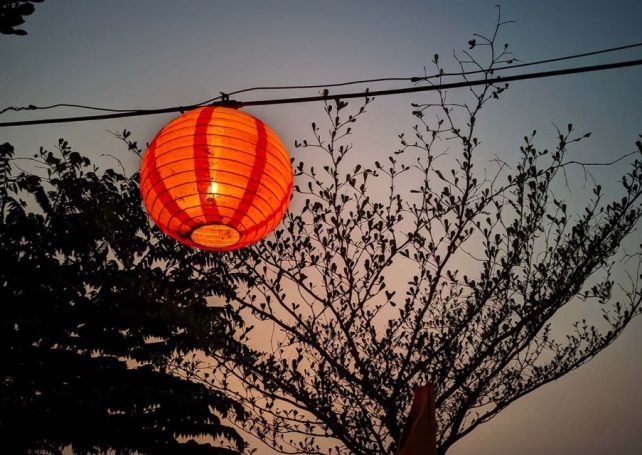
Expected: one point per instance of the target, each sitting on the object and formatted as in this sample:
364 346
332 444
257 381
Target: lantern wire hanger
224 98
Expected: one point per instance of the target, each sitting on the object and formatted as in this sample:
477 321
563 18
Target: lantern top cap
225 101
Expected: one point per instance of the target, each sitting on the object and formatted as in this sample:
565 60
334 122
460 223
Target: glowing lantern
216 179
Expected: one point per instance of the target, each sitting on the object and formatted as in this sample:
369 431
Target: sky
149 54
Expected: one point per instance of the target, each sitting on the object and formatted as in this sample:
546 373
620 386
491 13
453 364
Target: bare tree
491 258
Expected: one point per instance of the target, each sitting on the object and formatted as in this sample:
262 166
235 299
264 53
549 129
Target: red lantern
216 179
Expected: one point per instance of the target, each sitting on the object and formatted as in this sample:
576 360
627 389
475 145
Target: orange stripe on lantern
216 178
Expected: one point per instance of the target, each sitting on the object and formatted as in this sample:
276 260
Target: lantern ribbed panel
216 179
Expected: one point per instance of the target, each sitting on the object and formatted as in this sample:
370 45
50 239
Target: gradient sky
146 54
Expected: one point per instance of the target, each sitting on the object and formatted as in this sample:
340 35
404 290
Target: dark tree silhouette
490 259
95 305
12 14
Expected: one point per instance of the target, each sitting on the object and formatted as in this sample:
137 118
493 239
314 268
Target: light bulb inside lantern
214 235
211 193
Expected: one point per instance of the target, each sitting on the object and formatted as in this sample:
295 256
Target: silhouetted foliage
491 259
96 304
12 14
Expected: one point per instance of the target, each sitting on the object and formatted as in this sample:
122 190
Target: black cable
537 62
434 76
31 107
341 84
489 81
296 87
236 104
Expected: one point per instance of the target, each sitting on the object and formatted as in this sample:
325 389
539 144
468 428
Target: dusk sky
158 53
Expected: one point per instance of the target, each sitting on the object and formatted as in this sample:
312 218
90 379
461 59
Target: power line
413 79
340 96
540 62
31 107
489 81
433 76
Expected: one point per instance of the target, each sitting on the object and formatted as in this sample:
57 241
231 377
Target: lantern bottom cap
215 236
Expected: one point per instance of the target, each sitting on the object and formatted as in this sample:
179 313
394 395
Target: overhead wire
541 62
224 98
31 107
340 84
433 76
485 81
413 79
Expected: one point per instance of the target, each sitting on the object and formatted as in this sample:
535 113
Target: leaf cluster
12 15
97 307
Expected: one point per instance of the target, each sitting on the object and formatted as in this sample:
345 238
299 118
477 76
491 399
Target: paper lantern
216 179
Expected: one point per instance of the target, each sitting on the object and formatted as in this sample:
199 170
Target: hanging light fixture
216 178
